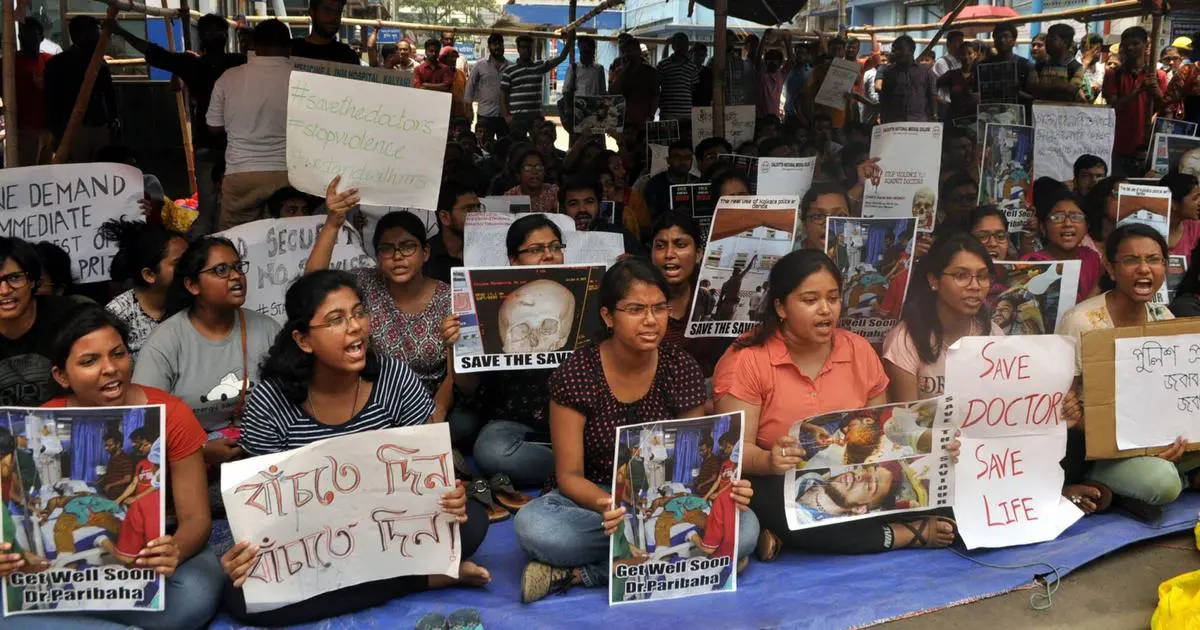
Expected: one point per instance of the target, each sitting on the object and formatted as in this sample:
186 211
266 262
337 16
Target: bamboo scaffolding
180 105
1120 8
85 91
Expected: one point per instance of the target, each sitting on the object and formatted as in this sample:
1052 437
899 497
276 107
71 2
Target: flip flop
918 527
505 494
480 491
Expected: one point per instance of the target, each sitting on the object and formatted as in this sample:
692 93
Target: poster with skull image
523 318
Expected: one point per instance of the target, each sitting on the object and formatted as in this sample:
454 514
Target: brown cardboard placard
1098 357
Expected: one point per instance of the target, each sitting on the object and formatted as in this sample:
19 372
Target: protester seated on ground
727 182
677 249
679 167
287 202
849 159
820 202
405 307
1187 294
749 148
530 168
959 194
207 350
1063 226
945 303
92 364
628 203
990 227
777 147
1185 212
1087 172
958 153
1135 257
543 140
579 198
507 410
322 356
28 323
1101 208
146 258
796 365
503 176
459 166
56 270
630 377
708 153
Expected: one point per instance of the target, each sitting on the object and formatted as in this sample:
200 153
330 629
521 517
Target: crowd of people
374 346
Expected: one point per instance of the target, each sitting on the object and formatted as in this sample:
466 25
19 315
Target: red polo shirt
1133 118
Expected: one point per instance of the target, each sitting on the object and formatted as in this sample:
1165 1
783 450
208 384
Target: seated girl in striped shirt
319 381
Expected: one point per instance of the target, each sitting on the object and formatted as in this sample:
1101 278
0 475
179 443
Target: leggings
353 598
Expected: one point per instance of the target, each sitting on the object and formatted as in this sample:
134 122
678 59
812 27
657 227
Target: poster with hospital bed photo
1028 298
82 495
679 535
874 257
867 462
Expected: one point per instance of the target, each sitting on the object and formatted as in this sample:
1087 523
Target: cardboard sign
384 140
65 205
1064 132
1174 127
696 201
344 511
1158 390
910 156
1100 388
997 82
837 84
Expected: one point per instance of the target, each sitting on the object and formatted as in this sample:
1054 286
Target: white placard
739 124
65 205
1158 390
395 76
910 156
785 176
1062 133
1147 205
277 250
837 84
385 140
344 511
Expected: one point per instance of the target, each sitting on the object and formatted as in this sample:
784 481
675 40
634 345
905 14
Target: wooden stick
597 10
947 24
185 20
85 90
1084 13
720 21
181 106
11 156
570 95
133 6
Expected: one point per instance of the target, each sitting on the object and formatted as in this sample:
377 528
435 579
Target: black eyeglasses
406 249
539 249
224 270
16 280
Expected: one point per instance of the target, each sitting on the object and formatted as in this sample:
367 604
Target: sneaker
539 580
465 619
432 621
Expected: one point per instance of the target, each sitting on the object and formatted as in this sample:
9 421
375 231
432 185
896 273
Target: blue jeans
501 448
554 530
192 595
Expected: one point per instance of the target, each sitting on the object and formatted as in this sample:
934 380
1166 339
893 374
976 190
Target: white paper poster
385 140
344 511
785 176
65 205
837 84
739 124
1062 133
1158 390
1147 205
277 250
910 158
1008 480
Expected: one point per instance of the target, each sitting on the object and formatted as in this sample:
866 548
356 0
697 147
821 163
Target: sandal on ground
1102 504
539 580
505 494
922 530
768 546
480 491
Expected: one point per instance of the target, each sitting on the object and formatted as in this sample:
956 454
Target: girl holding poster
676 249
631 377
799 364
1064 226
321 381
92 363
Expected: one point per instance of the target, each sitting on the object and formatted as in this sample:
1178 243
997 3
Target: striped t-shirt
677 77
273 424
522 82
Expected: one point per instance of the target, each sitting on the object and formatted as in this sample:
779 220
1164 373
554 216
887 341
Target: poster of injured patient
1028 298
866 462
599 114
910 162
747 236
523 318
679 535
83 496
1006 173
874 256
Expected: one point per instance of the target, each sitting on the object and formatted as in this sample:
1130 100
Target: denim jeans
502 448
554 530
1150 479
192 595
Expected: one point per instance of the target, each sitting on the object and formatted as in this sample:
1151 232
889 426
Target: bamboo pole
570 96
946 25
132 6
597 10
181 107
720 54
85 90
185 21
11 156
1083 13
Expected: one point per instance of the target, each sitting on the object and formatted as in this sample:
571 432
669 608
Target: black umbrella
761 11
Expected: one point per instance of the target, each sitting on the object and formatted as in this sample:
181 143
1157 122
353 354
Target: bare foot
469 574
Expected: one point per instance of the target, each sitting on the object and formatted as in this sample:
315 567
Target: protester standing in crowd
146 258
321 42
959 85
1064 226
248 115
679 171
797 79
678 77
1058 77
64 78
1091 49
586 78
432 74
909 89
771 70
1135 89
952 60
1004 39
33 137
630 377
807 106
1182 99
483 87
28 323
521 84
638 82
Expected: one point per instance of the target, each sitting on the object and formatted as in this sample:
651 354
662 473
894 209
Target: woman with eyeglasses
945 303
819 203
207 351
28 323
406 307
990 227
320 381
1064 226
1136 260
630 377
1185 210
531 177
146 258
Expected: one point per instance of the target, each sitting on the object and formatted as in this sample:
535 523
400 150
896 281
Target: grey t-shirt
205 374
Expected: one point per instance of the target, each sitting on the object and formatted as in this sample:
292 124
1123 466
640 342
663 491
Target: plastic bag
1178 603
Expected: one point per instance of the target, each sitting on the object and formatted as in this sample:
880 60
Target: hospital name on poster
487 362
720 329
86 585
642 579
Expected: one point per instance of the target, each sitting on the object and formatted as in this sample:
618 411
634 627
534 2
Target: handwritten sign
277 250
739 124
397 77
837 84
344 511
1009 481
785 176
1158 390
1062 133
65 205
910 156
387 141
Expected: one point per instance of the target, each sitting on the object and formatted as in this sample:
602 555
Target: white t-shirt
250 103
899 350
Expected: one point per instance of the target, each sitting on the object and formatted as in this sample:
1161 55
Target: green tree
450 12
